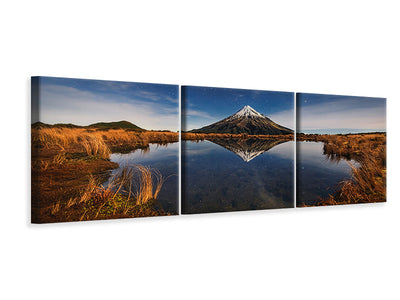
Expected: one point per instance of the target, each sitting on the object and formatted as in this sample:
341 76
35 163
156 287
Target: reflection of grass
368 182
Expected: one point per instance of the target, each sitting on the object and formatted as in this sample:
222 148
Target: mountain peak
248 112
246 120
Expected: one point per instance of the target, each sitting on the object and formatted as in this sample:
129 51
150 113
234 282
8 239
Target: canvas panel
341 150
103 149
237 149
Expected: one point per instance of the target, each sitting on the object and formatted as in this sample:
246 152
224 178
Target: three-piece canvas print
109 149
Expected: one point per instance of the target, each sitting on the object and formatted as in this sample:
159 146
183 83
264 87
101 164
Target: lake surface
163 158
317 175
231 175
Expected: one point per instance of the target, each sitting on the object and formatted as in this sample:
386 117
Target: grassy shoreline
368 182
69 164
211 136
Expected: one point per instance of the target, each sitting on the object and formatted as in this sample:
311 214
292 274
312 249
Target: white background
342 47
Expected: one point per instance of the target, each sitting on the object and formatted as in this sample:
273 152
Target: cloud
284 118
194 119
153 96
196 113
63 104
342 114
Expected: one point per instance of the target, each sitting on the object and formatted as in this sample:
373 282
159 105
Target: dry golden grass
59 158
130 187
55 208
54 137
98 142
63 158
368 182
367 185
145 190
95 146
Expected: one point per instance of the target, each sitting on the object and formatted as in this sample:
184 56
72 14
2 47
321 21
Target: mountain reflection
247 149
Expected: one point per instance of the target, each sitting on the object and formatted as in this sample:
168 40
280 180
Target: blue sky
327 113
205 105
83 102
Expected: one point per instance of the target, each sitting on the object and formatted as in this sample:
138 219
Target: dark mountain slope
247 120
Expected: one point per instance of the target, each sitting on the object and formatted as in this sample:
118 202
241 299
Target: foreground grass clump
129 192
368 182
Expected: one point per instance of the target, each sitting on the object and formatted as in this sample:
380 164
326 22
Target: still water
229 175
164 158
317 175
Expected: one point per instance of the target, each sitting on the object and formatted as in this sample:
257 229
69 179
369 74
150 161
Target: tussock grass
368 182
95 146
59 158
145 188
54 137
94 142
367 185
55 208
130 187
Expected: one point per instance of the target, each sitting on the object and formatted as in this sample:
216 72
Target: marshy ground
368 178
70 165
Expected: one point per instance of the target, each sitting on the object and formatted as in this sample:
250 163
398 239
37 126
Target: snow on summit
247 111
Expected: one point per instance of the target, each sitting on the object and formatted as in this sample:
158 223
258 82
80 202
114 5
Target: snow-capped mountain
246 120
248 112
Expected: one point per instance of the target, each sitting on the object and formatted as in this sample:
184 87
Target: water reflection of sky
317 175
285 150
215 179
311 153
203 147
153 154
